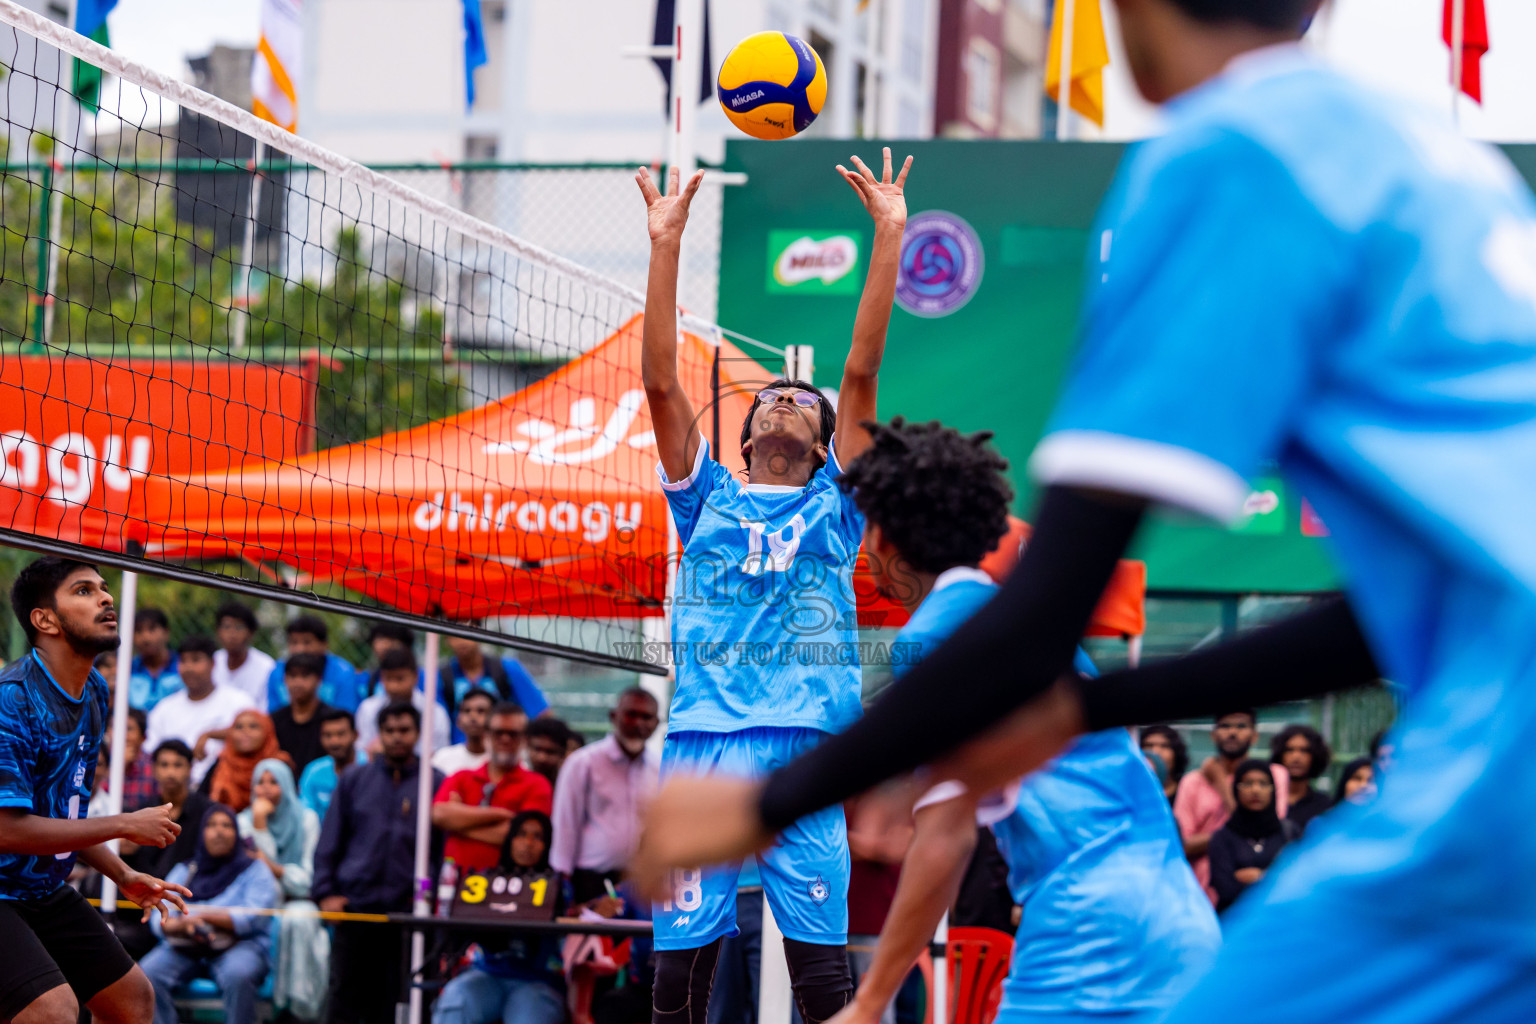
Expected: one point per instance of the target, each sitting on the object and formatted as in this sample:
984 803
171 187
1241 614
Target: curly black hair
1321 755
1176 741
938 495
828 414
1280 15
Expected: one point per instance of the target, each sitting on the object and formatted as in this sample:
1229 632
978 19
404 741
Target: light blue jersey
1304 271
1114 925
764 628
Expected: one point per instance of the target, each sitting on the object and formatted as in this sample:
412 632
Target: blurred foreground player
56 951
766 566
1114 926
1300 270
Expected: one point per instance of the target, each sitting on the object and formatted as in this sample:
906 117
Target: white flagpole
1458 37
247 252
56 200
125 612
1066 11
424 884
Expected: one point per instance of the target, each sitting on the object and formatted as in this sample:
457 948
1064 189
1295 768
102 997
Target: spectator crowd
295 782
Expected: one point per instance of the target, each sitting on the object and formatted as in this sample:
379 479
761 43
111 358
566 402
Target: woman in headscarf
1242 849
519 979
251 739
228 945
284 833
1164 743
1357 782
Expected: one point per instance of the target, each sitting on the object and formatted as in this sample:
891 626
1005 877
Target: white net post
421 906
774 995
126 609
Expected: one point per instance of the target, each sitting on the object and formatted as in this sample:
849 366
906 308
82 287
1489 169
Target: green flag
86 84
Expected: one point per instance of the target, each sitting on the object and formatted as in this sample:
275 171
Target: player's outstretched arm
887 204
672 418
146 891
36 836
931 872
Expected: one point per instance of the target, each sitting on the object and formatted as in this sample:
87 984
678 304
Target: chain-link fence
591 214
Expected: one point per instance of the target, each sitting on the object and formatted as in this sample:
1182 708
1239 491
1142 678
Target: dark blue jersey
48 746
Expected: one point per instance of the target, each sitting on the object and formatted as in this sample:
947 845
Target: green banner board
980 339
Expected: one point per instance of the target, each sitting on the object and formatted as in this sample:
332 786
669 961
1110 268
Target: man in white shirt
474 713
201 712
397 682
236 664
599 798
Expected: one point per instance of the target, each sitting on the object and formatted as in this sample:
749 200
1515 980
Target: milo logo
815 262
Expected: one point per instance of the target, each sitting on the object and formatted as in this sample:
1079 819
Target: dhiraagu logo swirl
820 262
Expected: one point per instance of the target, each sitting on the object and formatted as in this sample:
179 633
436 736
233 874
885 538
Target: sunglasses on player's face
804 399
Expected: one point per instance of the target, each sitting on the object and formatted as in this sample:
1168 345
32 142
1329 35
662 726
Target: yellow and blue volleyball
772 85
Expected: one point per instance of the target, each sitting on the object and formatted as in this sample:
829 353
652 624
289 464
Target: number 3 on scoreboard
474 889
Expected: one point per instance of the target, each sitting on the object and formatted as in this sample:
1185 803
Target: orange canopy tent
544 503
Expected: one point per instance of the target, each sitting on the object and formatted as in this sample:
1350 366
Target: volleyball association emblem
818 890
941 264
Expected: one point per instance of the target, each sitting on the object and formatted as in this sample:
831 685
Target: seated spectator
1357 782
106 664
251 740
308 634
382 638
199 712
601 795
470 668
139 790
297 723
365 862
154 673
474 807
285 832
519 979
474 714
1246 844
1205 797
1164 742
173 785
231 947
338 735
548 746
237 664
1304 754
397 682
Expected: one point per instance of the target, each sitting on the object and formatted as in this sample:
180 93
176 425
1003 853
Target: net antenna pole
1068 8
247 252
1458 40
419 905
126 609
55 197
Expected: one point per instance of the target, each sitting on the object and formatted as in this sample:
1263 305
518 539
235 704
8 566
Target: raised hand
667 215
883 198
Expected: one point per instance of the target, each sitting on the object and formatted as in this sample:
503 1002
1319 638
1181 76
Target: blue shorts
1416 908
805 874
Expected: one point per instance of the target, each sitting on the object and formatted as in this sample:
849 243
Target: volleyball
772 85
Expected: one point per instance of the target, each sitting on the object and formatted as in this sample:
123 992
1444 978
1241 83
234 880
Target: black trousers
365 974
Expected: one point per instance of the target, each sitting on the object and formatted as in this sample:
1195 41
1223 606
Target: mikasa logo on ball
737 101
809 259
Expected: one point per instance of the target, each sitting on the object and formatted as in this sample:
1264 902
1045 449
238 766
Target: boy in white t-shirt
236 663
201 712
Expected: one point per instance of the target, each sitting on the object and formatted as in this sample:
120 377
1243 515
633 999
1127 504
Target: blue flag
474 45
91 15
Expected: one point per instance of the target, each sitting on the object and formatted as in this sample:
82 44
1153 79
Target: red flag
1474 43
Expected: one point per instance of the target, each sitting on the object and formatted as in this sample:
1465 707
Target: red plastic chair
978 963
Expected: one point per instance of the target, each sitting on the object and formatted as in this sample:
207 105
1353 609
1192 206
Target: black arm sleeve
1317 652
1009 652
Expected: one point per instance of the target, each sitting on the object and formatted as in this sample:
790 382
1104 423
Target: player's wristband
1317 652
1012 650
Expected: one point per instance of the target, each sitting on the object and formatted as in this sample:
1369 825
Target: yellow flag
1090 56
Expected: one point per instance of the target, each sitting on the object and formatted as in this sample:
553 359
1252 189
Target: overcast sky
1393 43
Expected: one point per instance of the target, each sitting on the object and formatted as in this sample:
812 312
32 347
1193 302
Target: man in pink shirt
1205 799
